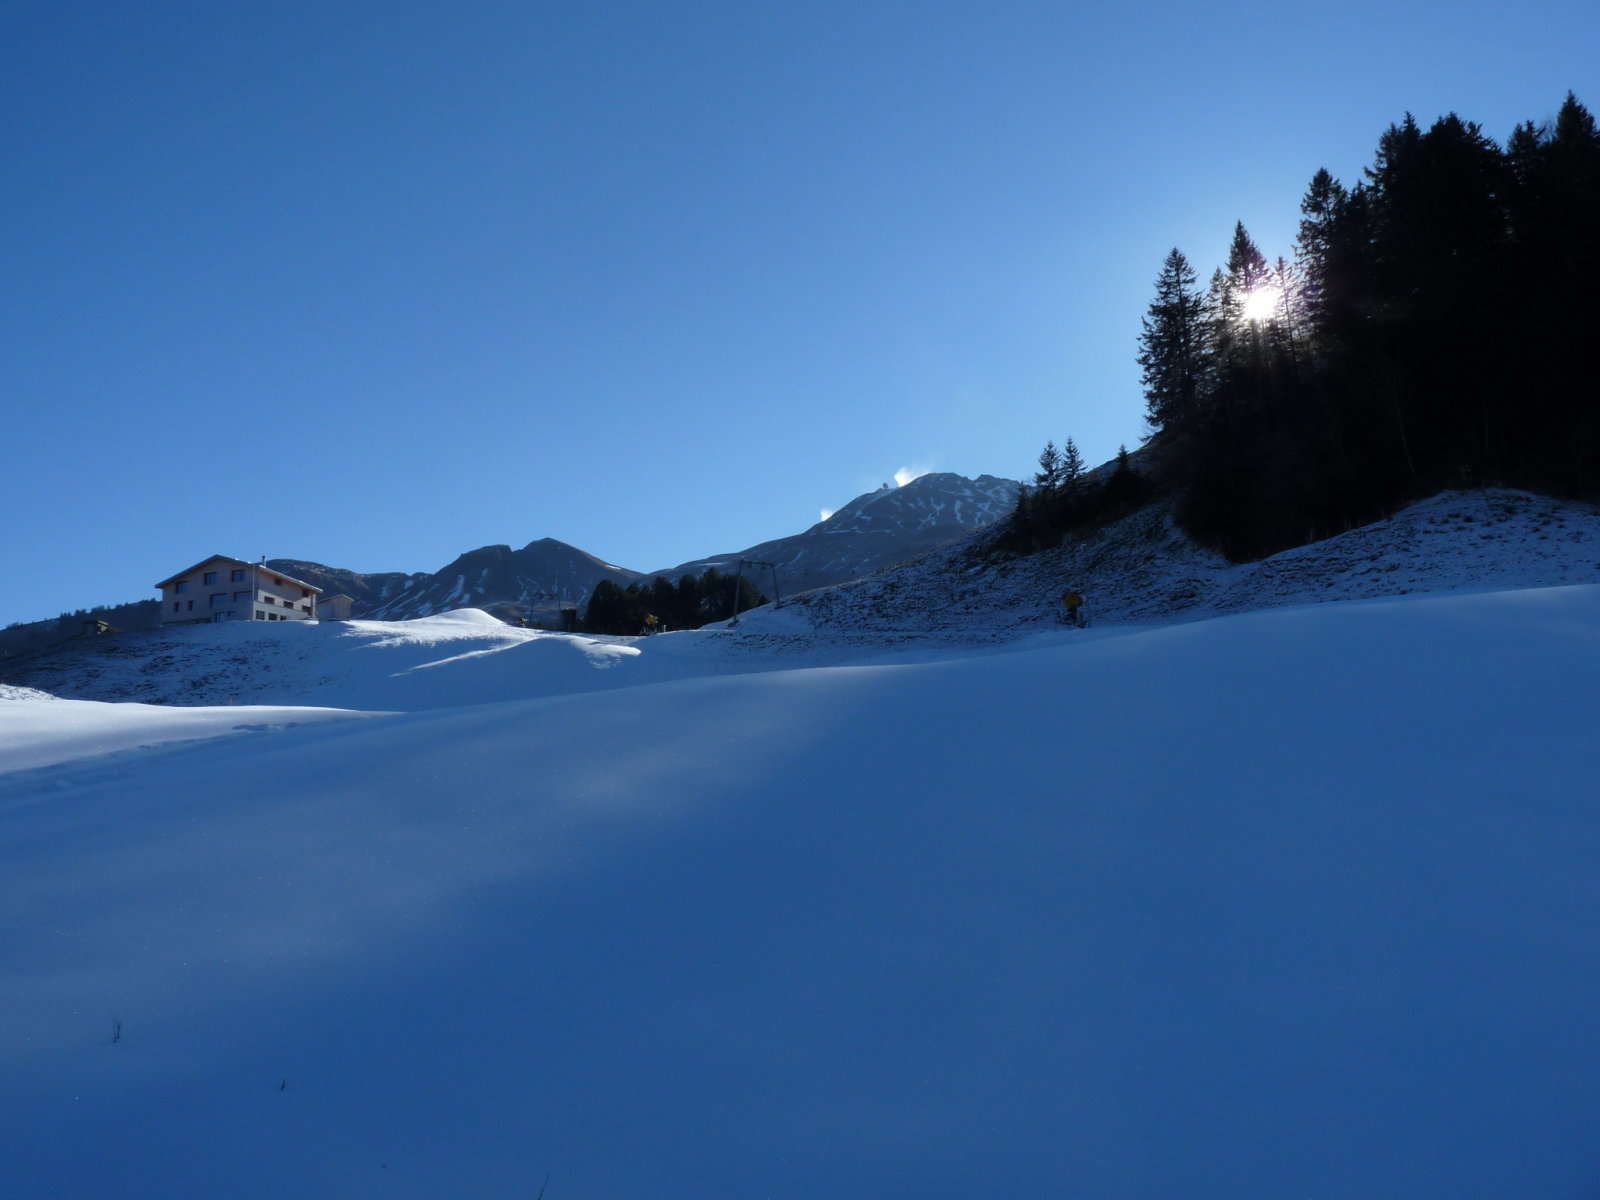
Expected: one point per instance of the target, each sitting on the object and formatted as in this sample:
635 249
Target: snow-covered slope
41 730
1144 568
1141 570
1286 903
463 657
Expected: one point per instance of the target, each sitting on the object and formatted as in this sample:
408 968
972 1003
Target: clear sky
373 284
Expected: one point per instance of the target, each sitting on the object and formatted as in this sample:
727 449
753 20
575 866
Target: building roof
239 562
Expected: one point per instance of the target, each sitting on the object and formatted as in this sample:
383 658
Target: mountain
542 575
873 531
370 592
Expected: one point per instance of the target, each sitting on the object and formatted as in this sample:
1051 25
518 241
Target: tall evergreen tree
1554 212
1172 348
1241 317
1240 337
1288 322
1048 477
1248 271
1071 467
1321 211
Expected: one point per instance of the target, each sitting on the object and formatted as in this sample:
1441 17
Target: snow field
1294 903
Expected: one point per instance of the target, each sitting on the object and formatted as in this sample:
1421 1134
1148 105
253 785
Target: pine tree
1241 334
687 612
1247 273
1172 348
1288 319
1048 477
1071 466
1022 517
1321 211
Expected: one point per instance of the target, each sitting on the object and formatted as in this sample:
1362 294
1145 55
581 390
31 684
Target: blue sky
374 284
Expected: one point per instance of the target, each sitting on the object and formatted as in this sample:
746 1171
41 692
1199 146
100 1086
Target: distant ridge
874 531
543 574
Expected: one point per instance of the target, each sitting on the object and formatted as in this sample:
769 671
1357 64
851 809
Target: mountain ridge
1141 571
872 531
875 530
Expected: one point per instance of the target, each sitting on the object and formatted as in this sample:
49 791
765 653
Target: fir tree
1173 345
1237 322
1321 211
1071 466
1048 477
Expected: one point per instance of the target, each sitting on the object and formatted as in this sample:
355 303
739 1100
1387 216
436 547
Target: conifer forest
1433 326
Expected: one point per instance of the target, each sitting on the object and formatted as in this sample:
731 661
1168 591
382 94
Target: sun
1260 304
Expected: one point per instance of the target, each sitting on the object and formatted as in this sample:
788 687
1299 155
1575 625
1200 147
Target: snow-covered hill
874 896
1144 568
1141 570
456 658
1292 902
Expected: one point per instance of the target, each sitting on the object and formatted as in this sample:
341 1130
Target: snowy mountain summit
876 530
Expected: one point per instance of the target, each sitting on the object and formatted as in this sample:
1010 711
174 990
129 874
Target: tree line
695 600
1433 327
1066 497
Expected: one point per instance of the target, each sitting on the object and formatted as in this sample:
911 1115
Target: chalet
335 608
229 589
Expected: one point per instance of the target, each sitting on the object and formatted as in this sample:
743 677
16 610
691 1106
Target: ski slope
1289 903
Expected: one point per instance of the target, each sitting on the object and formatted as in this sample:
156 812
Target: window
236 575
210 578
306 607
269 599
305 593
191 606
219 599
238 596
261 616
181 586
276 581
177 605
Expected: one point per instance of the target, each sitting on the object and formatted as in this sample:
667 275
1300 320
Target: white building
229 589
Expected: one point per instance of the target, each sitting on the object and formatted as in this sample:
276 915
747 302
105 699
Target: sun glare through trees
1261 304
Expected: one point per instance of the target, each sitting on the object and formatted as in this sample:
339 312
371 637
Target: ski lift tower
566 610
777 599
